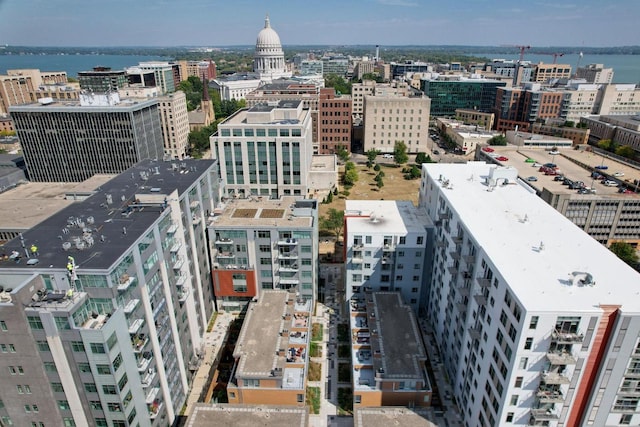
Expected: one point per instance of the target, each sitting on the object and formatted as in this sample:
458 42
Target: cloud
403 3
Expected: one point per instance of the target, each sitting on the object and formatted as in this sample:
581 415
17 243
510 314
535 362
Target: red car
502 159
488 149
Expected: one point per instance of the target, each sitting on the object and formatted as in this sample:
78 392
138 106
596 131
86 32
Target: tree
329 198
377 167
497 140
372 154
350 174
334 222
625 252
338 83
400 153
422 158
626 151
379 183
412 173
342 154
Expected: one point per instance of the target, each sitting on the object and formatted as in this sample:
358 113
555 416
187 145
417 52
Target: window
77 346
114 407
111 342
103 369
625 419
300 398
357 398
90 388
3 326
518 382
35 322
534 322
528 343
64 405
117 362
101 422
419 240
84 368
367 240
109 389
514 400
68 422
57 388
403 240
123 381
49 367
43 346
95 405
97 348
509 417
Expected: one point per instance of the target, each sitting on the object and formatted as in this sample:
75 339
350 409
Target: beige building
595 73
58 91
465 136
391 116
40 77
542 72
616 99
15 90
26 86
175 124
475 117
582 101
579 136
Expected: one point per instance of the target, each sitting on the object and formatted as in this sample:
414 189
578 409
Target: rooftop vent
582 278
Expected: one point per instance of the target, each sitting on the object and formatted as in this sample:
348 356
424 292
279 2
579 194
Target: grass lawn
315 371
343 332
344 350
344 372
345 401
313 399
316 332
395 187
315 350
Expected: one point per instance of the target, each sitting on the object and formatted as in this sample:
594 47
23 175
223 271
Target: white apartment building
618 99
385 243
581 101
391 117
265 150
174 120
535 321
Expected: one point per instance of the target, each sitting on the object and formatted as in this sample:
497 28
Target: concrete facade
334 122
174 120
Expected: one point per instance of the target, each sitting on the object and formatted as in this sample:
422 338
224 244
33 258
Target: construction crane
554 54
521 47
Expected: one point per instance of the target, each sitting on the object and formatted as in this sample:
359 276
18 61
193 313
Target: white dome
267 37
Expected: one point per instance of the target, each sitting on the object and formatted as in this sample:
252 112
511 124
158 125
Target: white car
618 174
610 183
387 156
554 152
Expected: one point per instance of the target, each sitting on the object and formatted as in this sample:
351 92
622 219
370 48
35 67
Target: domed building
268 60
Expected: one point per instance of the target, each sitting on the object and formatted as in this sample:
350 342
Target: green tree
342 154
333 222
377 167
372 76
338 83
379 183
412 173
497 140
400 153
350 174
625 252
329 198
422 158
372 154
626 151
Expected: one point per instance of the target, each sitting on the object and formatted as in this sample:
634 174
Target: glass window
35 322
77 346
90 388
103 369
84 368
97 348
109 389
43 346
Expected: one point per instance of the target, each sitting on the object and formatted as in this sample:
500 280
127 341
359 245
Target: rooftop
538 251
258 211
248 416
390 416
100 229
74 106
384 216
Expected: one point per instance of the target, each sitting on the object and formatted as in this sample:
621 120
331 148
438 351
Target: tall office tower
334 122
164 75
385 245
261 244
268 60
71 141
102 79
450 93
174 120
265 150
536 322
102 313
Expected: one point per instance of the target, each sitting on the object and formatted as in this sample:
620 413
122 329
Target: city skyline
384 22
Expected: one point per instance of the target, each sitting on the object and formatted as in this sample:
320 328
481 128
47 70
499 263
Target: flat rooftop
114 217
510 224
260 337
390 416
248 416
397 339
574 164
240 116
257 211
378 216
30 203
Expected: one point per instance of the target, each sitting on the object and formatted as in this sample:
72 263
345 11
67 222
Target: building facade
107 328
448 95
548 340
334 122
15 90
259 244
268 60
174 120
70 142
595 73
102 79
265 150
543 73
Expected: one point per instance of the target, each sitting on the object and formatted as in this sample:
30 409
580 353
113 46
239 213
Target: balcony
287 242
460 306
172 229
195 219
135 326
357 245
561 358
131 305
183 294
125 282
387 260
464 291
289 268
224 241
544 414
453 270
225 255
567 337
143 364
444 215
182 279
389 247
475 332
483 282
457 239
550 396
152 394
554 378
470 259
154 410
441 244
480 299
455 255
139 343
178 263
289 281
176 247
356 260
148 378
288 255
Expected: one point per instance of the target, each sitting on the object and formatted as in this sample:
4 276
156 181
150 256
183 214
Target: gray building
70 142
102 79
103 305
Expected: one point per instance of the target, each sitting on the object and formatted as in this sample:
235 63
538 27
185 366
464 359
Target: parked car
595 175
610 183
550 172
436 152
488 149
602 167
554 152
532 178
502 159
618 174
536 165
551 165
558 178
387 156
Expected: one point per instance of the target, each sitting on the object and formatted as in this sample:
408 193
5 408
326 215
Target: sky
591 23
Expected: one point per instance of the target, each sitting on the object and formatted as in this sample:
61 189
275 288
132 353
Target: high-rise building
385 247
174 120
268 60
71 141
102 313
265 150
164 75
199 69
334 122
102 79
15 90
543 73
259 244
311 67
595 73
450 93
536 322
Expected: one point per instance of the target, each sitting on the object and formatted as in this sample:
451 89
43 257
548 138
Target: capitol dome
268 60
